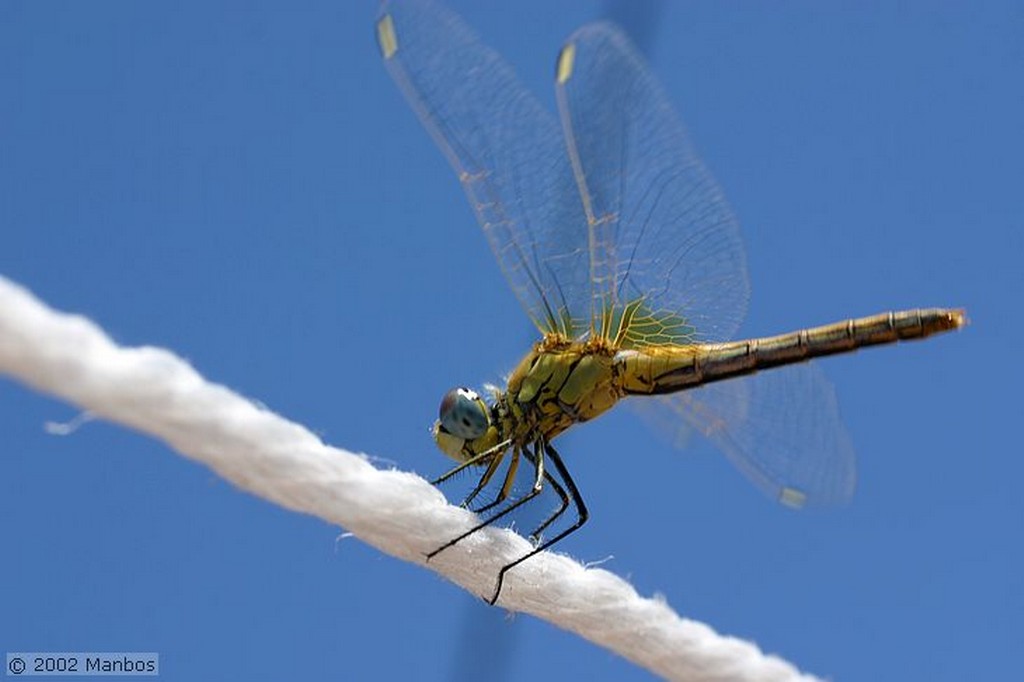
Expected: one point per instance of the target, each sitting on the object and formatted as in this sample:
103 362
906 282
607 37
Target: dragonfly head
463 418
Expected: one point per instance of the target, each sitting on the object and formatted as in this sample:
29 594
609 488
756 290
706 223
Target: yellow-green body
560 382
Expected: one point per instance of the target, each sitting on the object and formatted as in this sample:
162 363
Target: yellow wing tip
566 61
958 318
791 497
386 38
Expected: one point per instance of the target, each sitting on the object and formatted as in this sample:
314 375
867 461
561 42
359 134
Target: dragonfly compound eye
464 414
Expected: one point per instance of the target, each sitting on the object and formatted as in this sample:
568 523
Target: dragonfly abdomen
669 369
849 335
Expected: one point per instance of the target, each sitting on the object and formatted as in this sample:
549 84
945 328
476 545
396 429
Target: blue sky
242 183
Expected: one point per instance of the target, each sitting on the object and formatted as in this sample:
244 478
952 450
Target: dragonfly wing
660 230
781 428
505 147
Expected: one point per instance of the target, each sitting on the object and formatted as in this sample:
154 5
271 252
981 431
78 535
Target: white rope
154 391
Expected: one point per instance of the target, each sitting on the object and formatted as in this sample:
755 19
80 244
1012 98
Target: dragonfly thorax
559 383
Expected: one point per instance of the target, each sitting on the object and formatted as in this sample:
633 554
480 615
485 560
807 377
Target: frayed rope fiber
153 391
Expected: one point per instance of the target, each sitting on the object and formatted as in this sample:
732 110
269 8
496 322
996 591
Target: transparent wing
662 239
507 150
781 428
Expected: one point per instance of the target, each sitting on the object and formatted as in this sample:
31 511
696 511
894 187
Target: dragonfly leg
551 480
472 461
581 517
538 485
506 486
563 504
486 478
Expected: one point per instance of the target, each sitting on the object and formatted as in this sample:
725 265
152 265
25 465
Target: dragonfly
624 254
